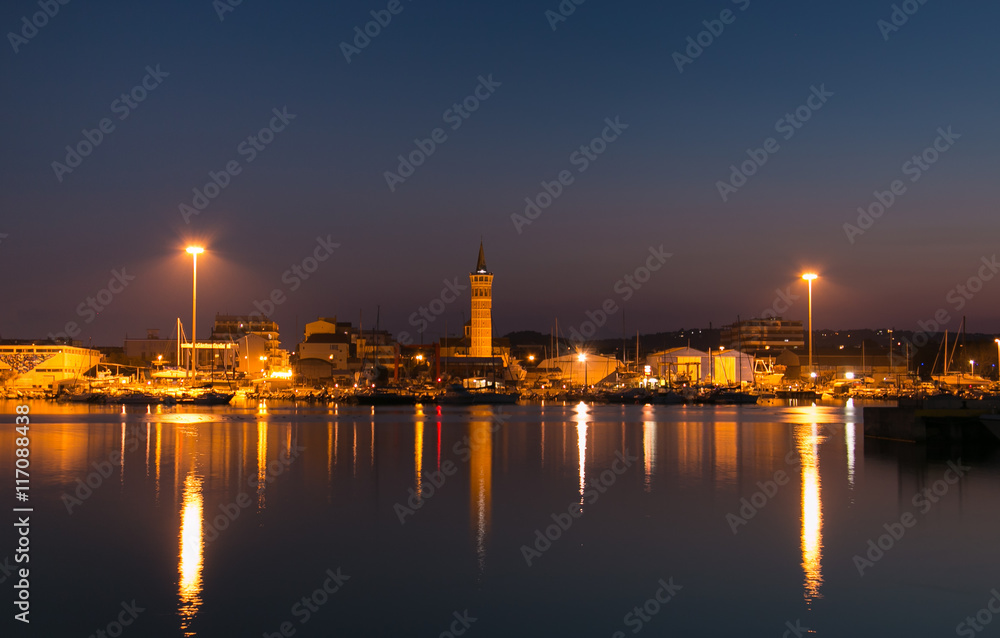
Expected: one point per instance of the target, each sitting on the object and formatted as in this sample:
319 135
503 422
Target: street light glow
195 250
809 277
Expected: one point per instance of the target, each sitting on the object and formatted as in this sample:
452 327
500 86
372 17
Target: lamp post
890 352
972 367
998 357
583 360
809 278
194 251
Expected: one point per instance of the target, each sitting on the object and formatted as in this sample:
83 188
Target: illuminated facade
481 330
34 367
759 335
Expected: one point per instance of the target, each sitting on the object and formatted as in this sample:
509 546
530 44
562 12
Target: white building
687 365
34 367
594 368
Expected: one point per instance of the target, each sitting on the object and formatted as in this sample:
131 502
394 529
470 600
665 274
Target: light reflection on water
807 439
664 516
191 552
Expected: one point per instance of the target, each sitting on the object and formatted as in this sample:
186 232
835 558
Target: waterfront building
481 327
152 349
572 370
327 349
29 366
477 354
757 336
257 341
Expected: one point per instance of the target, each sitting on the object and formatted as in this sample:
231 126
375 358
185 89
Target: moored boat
382 396
459 395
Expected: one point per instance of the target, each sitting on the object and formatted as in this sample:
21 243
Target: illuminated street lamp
972 366
809 278
194 251
998 356
583 360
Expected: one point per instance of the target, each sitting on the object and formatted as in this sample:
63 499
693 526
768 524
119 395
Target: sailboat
372 393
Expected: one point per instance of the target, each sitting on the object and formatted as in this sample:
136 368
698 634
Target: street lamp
809 278
972 366
998 357
583 360
194 251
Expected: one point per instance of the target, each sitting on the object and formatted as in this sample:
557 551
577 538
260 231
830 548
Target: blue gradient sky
324 174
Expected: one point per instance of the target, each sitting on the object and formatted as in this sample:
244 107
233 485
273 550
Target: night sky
872 96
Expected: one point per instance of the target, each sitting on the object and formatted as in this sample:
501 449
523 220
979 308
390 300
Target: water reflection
648 452
261 462
191 552
121 452
581 445
418 458
480 487
807 442
725 450
849 437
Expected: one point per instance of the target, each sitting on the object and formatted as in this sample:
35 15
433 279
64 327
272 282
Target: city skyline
740 139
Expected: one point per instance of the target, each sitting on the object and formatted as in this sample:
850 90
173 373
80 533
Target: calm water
219 522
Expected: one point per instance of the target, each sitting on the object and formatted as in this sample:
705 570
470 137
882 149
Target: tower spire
481 264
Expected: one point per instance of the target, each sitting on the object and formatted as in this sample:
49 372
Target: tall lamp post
194 251
998 357
583 360
809 278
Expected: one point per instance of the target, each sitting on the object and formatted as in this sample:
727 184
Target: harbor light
809 277
194 251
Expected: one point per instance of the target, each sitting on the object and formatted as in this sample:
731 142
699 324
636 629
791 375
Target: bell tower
482 308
